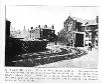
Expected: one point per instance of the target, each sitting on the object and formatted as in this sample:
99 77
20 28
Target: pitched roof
84 22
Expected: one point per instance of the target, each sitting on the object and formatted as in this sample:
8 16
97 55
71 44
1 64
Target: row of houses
79 32
37 33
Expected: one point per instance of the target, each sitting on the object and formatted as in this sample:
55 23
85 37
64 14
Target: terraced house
40 32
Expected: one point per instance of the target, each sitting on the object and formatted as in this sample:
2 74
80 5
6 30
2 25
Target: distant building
35 33
91 33
79 32
48 33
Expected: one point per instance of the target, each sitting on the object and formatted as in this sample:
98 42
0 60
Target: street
90 60
53 54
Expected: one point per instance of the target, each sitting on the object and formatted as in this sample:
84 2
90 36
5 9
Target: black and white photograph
43 36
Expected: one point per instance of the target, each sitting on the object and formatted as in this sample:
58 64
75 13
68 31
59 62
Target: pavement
89 60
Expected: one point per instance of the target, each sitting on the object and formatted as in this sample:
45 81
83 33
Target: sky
32 16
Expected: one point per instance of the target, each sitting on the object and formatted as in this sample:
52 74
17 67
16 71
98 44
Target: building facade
39 32
78 32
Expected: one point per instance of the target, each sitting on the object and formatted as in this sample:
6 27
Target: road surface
54 54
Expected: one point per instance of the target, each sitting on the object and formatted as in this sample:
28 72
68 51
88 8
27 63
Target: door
79 40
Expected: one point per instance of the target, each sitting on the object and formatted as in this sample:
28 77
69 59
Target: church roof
84 22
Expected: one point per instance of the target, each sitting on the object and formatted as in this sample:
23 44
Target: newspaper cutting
44 43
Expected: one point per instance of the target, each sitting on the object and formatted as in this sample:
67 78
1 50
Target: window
52 31
87 28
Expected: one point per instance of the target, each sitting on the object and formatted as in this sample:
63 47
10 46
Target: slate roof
85 22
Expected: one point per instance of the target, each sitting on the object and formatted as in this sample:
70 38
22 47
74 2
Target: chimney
31 27
39 26
24 28
52 26
97 19
45 26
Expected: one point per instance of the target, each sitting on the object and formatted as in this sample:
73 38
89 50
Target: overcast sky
32 16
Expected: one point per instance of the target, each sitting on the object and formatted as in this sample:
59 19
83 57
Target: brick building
35 33
78 32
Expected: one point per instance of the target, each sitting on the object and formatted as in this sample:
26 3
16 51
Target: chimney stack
52 26
31 27
97 19
24 28
39 26
45 26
